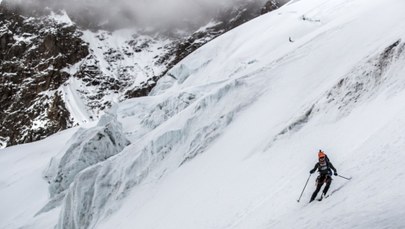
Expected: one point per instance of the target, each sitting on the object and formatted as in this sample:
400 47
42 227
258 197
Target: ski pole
344 177
304 187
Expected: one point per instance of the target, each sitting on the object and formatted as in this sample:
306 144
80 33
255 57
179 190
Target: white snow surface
228 136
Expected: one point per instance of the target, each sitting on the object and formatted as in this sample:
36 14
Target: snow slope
228 136
23 191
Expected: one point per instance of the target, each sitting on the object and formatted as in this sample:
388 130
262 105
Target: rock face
33 53
45 61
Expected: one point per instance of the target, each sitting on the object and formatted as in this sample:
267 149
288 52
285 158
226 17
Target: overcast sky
140 11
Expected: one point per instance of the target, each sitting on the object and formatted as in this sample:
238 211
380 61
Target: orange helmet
321 154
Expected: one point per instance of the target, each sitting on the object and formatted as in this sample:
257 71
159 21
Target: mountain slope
327 91
58 72
228 136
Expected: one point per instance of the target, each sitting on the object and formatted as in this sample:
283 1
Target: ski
333 191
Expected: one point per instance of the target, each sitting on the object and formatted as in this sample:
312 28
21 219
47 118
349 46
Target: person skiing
325 168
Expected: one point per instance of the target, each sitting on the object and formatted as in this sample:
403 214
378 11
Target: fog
124 13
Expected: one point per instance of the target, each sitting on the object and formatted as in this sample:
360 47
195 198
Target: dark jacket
324 168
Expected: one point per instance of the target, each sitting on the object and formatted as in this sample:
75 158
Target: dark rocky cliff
33 52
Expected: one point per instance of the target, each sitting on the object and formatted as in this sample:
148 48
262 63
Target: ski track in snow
228 136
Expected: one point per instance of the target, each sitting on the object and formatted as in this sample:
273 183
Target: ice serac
87 148
176 135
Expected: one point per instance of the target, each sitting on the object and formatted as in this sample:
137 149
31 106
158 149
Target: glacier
227 137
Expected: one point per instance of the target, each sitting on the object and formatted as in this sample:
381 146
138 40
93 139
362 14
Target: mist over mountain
112 14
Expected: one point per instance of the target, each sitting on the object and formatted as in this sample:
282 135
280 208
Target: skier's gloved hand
312 171
336 174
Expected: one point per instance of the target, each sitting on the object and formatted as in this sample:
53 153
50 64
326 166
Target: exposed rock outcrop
33 54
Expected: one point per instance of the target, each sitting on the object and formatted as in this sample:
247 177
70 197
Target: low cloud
124 13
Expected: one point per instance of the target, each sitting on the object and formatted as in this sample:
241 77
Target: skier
324 167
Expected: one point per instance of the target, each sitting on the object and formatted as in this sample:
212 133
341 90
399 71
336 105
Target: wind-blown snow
228 136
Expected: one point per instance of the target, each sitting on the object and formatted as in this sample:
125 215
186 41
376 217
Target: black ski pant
320 180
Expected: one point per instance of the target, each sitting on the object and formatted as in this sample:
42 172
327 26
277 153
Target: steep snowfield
23 191
229 134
